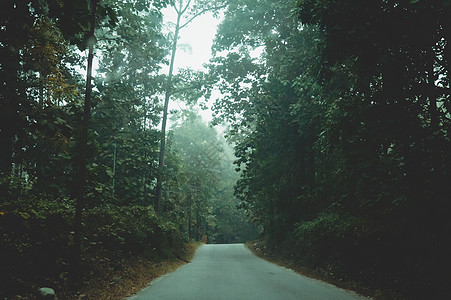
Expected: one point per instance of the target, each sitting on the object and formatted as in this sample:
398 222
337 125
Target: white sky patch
199 35
194 47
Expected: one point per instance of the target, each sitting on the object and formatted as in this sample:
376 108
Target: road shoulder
346 285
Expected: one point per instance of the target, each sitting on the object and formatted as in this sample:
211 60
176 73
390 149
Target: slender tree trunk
189 215
199 237
165 116
9 120
80 186
434 117
114 170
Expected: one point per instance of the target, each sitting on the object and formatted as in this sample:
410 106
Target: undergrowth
125 247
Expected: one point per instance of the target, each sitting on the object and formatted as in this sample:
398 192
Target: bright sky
199 36
194 46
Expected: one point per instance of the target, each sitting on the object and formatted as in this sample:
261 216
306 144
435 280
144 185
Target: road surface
233 272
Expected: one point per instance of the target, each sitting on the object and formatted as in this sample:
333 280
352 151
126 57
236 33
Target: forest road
233 272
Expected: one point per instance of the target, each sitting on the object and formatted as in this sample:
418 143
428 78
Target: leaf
109 173
25 215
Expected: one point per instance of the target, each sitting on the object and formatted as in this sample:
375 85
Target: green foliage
205 181
132 229
40 113
37 236
261 101
339 114
36 239
313 240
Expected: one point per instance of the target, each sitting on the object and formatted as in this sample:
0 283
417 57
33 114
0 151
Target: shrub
328 241
36 240
134 229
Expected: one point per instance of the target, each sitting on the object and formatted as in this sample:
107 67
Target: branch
191 87
186 7
201 13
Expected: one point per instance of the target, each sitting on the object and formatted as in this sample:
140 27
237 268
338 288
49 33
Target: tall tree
341 128
261 98
186 11
127 113
39 82
80 186
199 150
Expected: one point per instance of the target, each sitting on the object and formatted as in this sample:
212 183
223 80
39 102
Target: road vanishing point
234 272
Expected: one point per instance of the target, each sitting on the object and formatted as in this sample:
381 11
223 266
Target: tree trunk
165 117
9 109
9 119
199 237
189 215
80 185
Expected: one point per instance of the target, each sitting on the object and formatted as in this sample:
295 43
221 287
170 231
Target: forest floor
110 275
259 248
119 279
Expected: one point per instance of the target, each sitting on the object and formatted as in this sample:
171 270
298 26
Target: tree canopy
339 112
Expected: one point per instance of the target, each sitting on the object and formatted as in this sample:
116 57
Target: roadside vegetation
340 115
124 249
79 159
284 258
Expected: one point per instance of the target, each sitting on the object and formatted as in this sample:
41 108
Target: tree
186 12
110 15
340 127
26 64
388 123
262 99
199 150
80 186
205 181
41 100
127 113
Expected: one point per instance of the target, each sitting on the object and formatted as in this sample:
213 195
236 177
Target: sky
195 44
199 36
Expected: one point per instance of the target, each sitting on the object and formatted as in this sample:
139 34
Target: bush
330 241
135 229
36 240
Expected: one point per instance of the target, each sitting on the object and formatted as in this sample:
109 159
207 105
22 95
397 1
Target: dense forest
80 149
337 112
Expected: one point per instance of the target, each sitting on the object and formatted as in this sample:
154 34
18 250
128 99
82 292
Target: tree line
339 113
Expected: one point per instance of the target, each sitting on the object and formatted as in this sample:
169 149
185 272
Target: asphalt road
233 272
